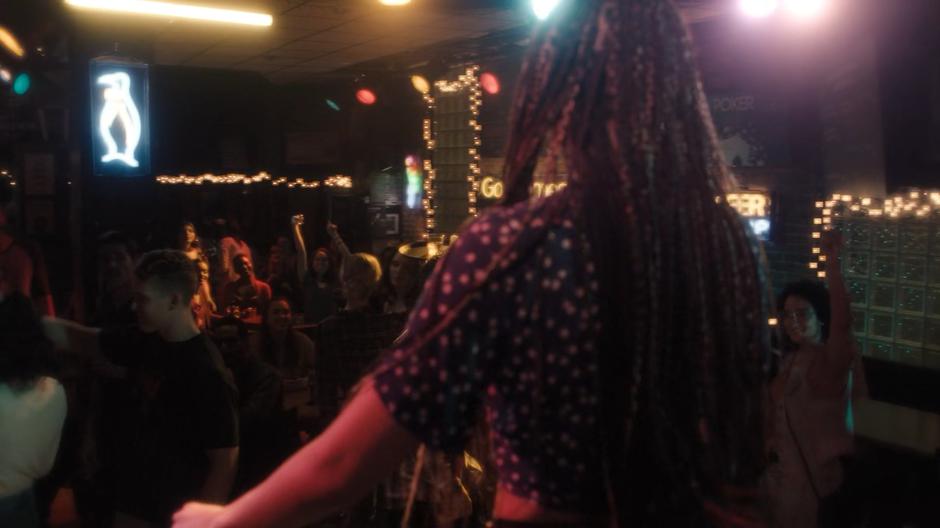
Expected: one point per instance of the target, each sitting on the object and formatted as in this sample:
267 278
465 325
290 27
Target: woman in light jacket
32 410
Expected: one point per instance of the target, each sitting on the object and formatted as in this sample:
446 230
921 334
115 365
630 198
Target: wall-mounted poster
120 117
751 130
385 222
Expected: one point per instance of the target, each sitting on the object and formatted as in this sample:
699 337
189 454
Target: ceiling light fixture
394 2
758 8
9 42
544 8
172 10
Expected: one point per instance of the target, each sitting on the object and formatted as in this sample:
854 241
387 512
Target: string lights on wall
428 201
469 81
337 181
916 204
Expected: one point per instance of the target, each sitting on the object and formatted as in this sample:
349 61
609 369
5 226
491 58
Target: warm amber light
9 42
394 2
421 84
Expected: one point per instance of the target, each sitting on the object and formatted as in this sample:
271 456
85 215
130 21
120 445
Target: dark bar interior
467 263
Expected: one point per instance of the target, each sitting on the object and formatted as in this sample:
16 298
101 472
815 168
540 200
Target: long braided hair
613 86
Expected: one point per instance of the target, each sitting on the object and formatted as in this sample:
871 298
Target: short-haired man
180 436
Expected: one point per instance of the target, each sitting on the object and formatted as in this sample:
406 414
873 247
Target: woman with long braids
612 334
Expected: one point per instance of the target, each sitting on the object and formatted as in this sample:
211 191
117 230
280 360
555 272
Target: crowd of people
189 378
599 357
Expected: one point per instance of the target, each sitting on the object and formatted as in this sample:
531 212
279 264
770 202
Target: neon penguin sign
120 117
119 106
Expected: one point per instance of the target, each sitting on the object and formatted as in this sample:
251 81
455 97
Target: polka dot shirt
507 326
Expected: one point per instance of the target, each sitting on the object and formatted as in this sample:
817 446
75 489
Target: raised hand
332 230
832 243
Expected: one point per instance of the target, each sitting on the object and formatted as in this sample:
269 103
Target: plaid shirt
348 344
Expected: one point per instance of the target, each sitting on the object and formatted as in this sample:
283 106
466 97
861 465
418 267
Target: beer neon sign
493 188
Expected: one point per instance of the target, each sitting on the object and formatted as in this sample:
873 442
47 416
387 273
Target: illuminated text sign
492 188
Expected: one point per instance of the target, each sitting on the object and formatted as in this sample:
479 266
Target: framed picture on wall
385 222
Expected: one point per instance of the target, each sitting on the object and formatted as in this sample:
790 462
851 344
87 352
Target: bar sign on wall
120 117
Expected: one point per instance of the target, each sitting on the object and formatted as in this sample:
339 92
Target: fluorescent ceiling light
167 9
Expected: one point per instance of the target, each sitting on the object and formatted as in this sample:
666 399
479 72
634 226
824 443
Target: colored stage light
490 83
332 104
420 83
366 96
21 84
10 43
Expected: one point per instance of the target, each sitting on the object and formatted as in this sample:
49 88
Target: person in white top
32 410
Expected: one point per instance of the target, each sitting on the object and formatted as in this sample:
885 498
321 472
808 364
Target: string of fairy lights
336 181
470 82
913 204
428 201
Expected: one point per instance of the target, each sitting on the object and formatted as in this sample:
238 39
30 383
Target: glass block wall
452 158
891 264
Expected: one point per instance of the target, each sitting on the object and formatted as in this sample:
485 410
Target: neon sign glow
492 188
750 204
414 182
119 106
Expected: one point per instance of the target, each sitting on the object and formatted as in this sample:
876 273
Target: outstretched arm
338 240
360 448
296 222
74 338
840 346
71 336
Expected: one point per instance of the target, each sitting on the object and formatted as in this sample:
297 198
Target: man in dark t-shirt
178 433
267 432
